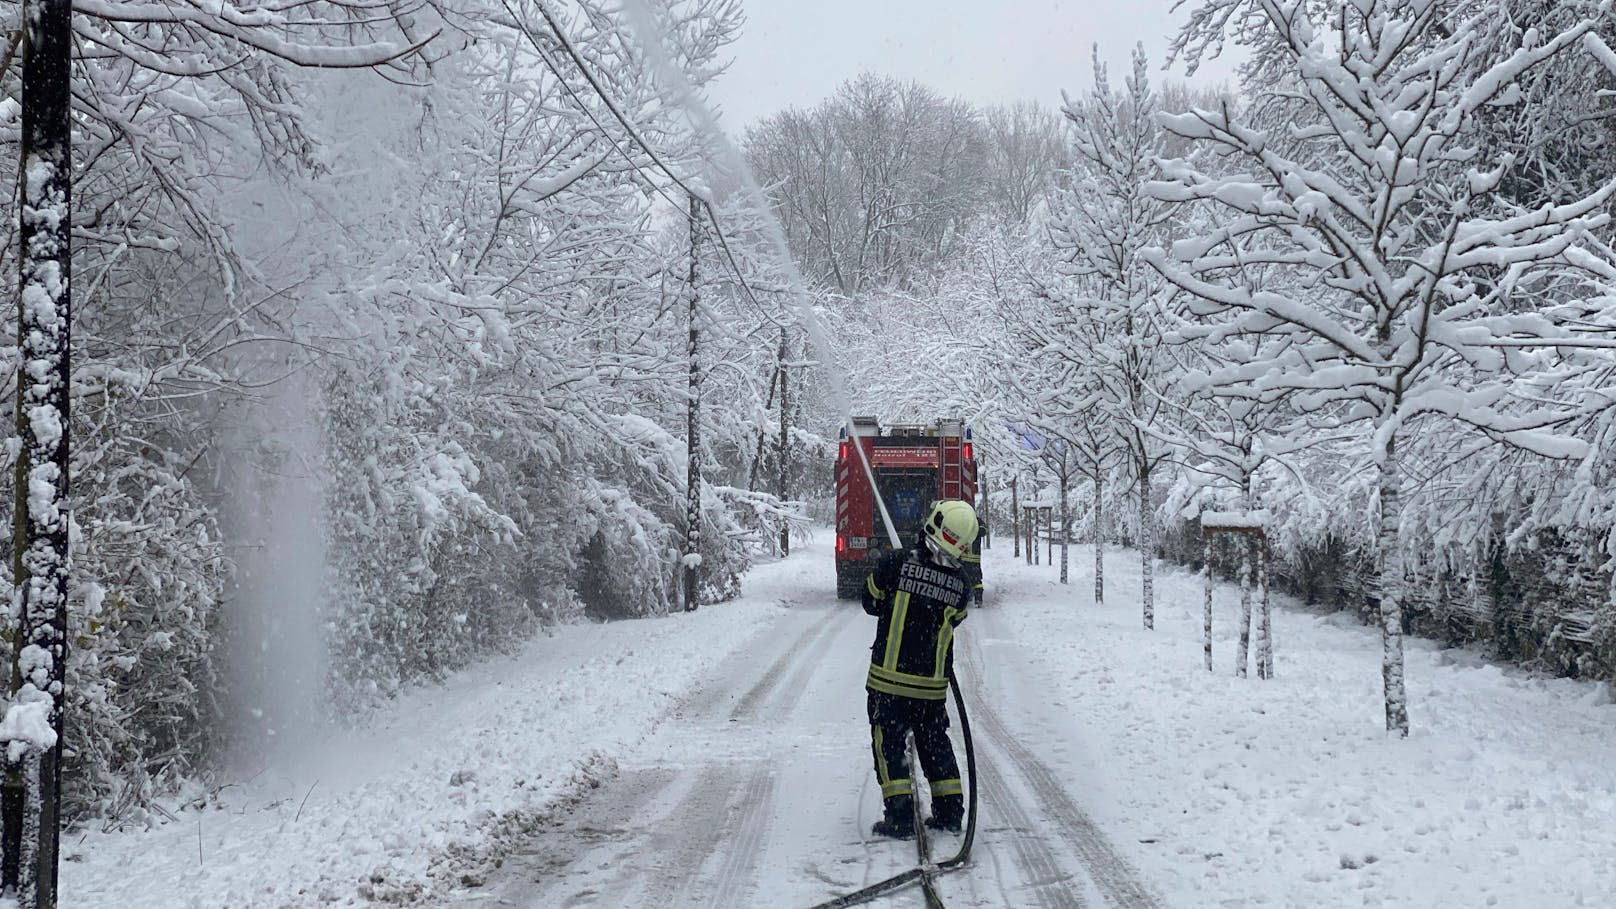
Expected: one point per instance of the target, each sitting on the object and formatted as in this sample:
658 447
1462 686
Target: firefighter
918 596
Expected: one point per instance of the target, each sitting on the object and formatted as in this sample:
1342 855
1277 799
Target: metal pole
984 534
692 555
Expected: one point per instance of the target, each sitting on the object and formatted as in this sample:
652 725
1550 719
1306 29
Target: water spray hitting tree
34 723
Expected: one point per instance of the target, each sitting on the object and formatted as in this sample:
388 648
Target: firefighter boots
948 812
945 824
899 819
896 828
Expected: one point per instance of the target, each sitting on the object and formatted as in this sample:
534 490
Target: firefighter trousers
891 716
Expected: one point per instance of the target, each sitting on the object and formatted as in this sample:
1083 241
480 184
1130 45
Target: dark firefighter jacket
918 603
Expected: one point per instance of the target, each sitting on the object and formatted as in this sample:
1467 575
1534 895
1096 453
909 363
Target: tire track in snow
1043 871
672 857
729 808
753 798
809 642
738 870
1106 867
687 837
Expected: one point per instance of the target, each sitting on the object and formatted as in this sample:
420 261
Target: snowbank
391 811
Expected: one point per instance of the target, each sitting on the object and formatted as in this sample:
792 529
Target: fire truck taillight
843 454
968 451
841 544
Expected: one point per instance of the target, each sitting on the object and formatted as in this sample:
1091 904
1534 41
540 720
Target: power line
633 133
576 99
718 230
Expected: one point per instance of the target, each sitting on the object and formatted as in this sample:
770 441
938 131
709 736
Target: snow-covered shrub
626 567
406 529
144 695
150 571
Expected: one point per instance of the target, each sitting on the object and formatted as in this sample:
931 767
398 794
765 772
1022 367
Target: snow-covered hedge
1543 603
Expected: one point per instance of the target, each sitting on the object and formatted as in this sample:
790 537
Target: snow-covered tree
1118 305
1419 291
872 183
1047 389
1228 440
1025 150
530 359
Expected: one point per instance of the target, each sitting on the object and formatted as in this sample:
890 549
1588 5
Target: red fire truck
914 465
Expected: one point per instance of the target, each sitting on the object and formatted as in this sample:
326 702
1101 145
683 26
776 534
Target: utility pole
30 794
785 438
692 556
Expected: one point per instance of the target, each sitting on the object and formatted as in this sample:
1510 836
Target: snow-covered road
721 759
751 788
759 792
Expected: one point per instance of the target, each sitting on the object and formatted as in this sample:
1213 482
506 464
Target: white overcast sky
795 52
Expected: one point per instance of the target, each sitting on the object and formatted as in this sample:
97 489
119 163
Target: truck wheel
849 581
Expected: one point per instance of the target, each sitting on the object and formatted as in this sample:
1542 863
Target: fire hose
927 870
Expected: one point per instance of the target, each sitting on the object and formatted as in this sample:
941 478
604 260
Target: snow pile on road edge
432 787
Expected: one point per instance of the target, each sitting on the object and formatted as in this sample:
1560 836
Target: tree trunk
1147 546
692 559
1015 519
1242 655
1265 632
32 797
1099 543
1389 552
785 439
1065 522
1206 578
1032 533
1049 536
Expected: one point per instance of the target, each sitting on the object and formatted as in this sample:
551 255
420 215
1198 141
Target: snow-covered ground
1218 791
1288 793
402 808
